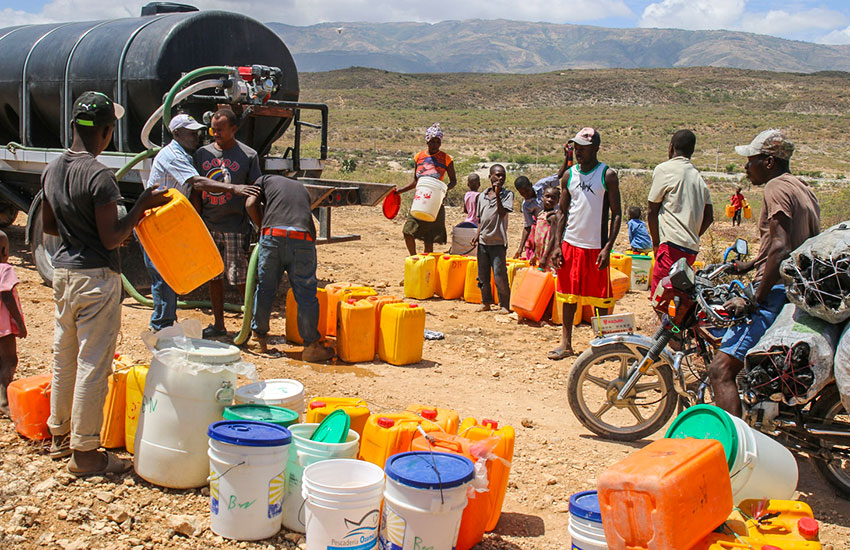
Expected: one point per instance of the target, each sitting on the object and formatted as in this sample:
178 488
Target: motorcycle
627 386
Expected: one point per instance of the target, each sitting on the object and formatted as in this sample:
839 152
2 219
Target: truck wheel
8 213
42 247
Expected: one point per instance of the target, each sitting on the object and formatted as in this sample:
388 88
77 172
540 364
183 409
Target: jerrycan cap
413 306
317 405
447 256
492 424
428 414
585 505
385 422
808 527
352 301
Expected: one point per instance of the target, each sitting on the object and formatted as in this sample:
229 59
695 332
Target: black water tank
151 53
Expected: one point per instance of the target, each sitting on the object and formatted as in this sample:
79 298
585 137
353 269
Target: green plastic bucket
261 413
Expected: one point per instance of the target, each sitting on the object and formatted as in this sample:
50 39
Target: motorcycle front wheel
597 377
836 472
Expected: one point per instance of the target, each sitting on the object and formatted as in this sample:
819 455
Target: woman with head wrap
435 163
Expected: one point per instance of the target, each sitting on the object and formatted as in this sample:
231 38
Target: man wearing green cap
80 206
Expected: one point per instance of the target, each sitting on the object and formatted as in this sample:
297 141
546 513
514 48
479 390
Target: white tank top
587 219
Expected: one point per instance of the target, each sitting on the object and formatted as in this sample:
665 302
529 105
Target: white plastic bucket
247 465
462 239
763 468
280 392
342 504
171 439
585 524
428 198
641 267
422 509
303 453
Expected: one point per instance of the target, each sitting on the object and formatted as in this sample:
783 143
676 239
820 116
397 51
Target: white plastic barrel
185 392
428 198
424 500
280 392
247 463
463 235
585 524
342 504
303 453
641 272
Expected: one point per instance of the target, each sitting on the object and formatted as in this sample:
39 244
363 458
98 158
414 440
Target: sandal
559 354
272 353
60 446
213 332
114 465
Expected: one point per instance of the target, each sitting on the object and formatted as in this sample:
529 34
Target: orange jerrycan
380 302
621 262
473 523
451 276
334 291
292 333
179 244
29 405
114 408
420 277
471 292
356 334
620 283
670 494
766 524
447 419
518 275
497 446
356 408
748 211
730 211
135 390
387 434
533 295
514 265
402 334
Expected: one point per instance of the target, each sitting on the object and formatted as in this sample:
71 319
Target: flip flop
272 353
559 354
114 465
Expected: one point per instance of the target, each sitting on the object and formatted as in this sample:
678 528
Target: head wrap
434 132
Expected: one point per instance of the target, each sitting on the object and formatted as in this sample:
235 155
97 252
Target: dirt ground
488 366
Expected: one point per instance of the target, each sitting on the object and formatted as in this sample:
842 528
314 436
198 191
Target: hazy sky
826 21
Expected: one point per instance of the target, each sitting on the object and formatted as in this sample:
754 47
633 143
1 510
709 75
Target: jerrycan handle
224 395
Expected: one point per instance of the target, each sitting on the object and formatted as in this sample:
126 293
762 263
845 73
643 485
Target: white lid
270 391
202 351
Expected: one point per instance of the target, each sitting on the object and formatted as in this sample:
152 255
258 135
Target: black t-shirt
287 204
225 212
74 185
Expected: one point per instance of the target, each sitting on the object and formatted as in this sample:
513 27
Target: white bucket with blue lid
585 525
247 463
424 500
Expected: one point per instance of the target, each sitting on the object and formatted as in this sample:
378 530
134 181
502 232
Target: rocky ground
488 366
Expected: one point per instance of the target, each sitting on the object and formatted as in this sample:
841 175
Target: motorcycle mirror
741 247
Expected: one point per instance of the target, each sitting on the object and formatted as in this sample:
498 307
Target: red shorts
664 259
580 281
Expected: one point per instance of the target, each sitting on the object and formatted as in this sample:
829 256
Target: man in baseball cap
95 109
586 136
789 216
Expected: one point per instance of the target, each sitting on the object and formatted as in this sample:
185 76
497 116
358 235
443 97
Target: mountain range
503 46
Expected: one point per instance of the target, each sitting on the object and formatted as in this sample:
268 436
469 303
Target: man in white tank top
584 235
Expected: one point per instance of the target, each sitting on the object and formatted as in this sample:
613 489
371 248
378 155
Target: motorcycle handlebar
711 313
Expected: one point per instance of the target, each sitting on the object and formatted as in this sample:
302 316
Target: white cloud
308 12
693 14
841 36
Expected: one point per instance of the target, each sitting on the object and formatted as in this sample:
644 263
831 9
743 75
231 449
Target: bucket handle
224 395
750 457
216 478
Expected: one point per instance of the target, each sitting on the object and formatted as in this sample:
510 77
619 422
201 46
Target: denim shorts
739 339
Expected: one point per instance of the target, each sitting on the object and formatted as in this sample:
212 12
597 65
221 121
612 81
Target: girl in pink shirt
473 182
11 323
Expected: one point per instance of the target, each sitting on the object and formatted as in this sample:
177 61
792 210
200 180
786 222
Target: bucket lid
707 422
271 391
261 413
249 433
585 505
417 469
392 204
333 429
202 351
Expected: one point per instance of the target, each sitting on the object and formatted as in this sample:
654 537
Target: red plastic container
29 405
533 295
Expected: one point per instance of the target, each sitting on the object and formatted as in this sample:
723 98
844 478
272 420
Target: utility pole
717 158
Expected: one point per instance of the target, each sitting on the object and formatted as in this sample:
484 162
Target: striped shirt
172 168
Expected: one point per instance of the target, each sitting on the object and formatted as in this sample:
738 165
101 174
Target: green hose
181 304
250 288
134 161
169 99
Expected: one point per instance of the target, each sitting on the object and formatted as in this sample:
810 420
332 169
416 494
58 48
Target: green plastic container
707 422
261 413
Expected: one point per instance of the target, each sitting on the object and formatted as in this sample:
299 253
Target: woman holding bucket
436 164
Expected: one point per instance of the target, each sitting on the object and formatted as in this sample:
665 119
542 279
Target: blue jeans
164 299
739 339
298 259
493 256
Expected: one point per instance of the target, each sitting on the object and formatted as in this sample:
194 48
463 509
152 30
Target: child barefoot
639 238
473 182
538 239
11 323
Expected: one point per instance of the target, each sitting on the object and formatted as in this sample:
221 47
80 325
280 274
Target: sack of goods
793 360
817 274
842 367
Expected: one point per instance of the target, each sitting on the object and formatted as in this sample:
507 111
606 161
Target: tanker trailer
196 61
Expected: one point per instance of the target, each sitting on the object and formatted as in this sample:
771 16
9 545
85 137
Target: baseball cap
95 109
587 136
183 121
770 142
